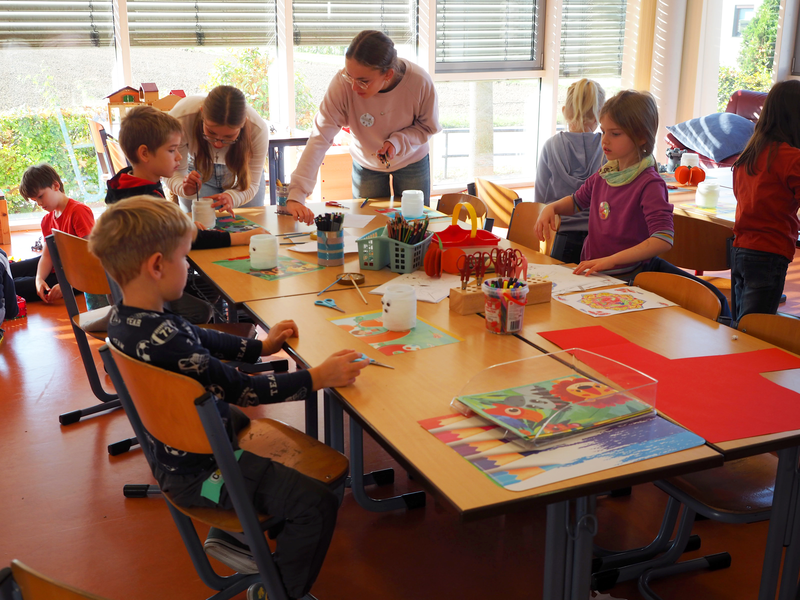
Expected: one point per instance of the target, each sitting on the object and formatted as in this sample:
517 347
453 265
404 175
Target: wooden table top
389 403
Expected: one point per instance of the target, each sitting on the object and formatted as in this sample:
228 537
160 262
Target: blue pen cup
330 248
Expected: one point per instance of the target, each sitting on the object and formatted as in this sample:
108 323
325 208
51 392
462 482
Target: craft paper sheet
427 289
565 281
604 303
583 454
431 213
235 224
369 328
287 267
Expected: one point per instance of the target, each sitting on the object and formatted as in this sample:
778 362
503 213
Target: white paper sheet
565 281
357 221
427 289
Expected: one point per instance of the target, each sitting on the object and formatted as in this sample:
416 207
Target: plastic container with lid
690 159
707 194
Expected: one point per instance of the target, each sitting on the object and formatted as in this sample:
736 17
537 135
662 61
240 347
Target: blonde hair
132 230
636 114
146 126
584 99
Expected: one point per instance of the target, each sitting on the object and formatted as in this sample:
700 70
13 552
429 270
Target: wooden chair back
448 202
699 244
82 268
165 403
35 586
101 147
778 330
684 292
499 200
521 228
117 156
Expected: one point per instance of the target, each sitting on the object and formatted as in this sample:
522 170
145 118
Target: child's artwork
605 303
549 409
518 470
235 224
429 212
369 328
565 281
287 267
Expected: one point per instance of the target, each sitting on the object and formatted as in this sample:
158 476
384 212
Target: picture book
517 469
369 328
547 410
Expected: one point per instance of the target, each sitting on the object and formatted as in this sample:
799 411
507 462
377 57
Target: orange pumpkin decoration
450 260
691 176
433 259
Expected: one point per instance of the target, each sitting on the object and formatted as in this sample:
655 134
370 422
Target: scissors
334 203
482 262
329 303
516 264
372 361
465 264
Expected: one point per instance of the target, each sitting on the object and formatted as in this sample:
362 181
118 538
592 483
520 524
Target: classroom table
388 404
676 333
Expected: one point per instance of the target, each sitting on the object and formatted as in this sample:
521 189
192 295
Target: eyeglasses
213 140
362 84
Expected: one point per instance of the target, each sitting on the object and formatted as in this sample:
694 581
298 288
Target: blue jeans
215 186
757 280
375 184
659 265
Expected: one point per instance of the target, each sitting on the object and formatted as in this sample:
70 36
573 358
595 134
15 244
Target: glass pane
746 47
49 95
490 129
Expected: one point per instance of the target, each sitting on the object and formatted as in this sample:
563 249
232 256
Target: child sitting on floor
630 217
143 245
568 159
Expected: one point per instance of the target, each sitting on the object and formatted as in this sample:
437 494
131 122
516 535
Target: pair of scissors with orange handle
466 263
482 262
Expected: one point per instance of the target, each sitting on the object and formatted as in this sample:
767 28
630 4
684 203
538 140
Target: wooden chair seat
36 586
284 444
739 487
93 322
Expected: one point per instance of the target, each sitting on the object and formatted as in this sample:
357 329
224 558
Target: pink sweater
407 116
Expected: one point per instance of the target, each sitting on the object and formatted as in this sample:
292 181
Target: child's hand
192 183
300 212
242 238
596 265
278 333
200 226
338 370
546 224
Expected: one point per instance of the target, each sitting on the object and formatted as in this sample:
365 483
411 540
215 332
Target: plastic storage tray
376 251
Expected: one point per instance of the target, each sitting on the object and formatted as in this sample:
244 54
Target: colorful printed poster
518 470
287 267
550 409
235 224
605 303
369 328
429 212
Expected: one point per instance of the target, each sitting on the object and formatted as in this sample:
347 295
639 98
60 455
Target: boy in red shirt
35 278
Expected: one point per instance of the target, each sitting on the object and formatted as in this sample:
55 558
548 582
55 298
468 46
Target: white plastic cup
690 159
412 204
707 194
263 251
203 212
399 311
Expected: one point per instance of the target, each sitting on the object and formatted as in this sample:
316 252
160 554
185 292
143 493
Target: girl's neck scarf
615 178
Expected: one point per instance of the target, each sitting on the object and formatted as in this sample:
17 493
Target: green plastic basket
376 251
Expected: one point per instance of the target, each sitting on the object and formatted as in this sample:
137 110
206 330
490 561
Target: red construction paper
720 398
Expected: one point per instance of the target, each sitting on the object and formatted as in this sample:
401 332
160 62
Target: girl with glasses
223 150
390 106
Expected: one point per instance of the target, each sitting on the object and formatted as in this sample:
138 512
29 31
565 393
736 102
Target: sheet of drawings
604 303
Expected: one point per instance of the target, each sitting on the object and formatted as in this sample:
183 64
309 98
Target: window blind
796 56
592 38
486 35
336 22
182 23
56 23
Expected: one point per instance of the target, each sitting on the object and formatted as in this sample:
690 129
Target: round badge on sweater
604 210
367 120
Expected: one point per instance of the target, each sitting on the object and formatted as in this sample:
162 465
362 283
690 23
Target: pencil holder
282 197
505 307
330 248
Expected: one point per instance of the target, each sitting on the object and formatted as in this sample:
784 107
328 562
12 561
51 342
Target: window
485 35
592 38
796 56
742 15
